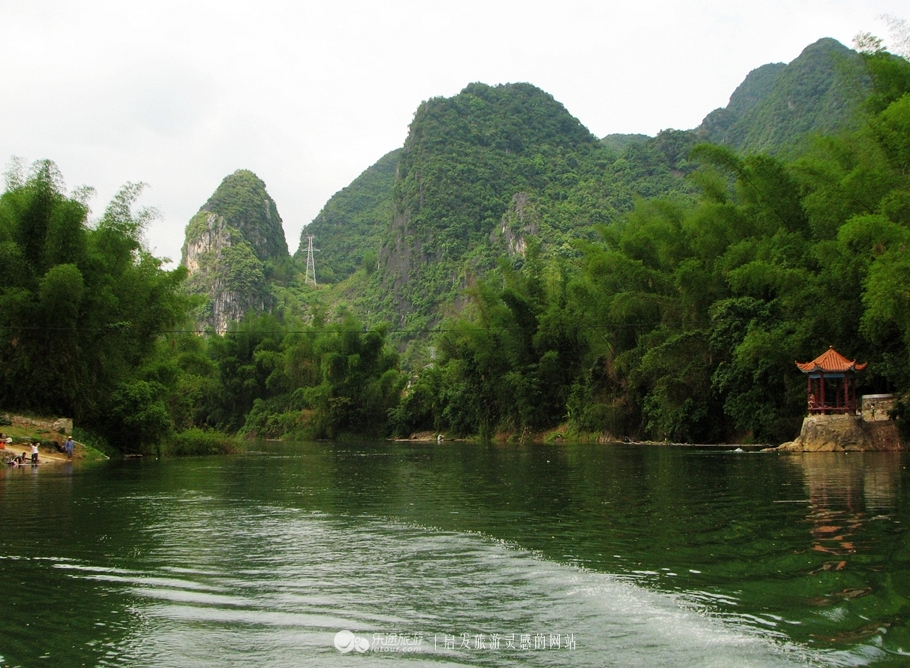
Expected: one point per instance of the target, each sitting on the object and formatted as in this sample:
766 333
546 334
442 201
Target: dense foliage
645 287
479 173
81 307
482 171
349 228
266 378
778 107
684 321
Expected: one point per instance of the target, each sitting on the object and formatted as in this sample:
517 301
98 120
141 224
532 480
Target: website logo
345 642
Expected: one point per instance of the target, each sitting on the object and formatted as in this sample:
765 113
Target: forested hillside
542 278
478 173
778 107
682 322
349 229
483 171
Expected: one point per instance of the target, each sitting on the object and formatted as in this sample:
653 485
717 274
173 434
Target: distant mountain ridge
778 106
487 172
463 160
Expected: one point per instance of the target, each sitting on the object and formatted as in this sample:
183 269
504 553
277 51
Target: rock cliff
227 248
844 433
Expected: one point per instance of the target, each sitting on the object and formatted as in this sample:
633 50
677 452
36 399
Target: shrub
194 442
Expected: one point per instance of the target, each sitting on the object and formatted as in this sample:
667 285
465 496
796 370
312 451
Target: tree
80 306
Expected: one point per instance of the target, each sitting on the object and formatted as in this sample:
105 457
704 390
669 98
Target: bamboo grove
679 321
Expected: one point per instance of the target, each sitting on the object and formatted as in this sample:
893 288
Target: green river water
316 554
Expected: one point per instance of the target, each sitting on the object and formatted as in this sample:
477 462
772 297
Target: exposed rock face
212 236
844 433
520 221
227 245
464 159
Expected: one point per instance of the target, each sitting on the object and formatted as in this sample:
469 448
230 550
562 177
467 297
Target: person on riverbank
34 454
68 447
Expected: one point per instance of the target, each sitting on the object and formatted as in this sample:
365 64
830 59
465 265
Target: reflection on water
858 481
643 556
847 491
853 505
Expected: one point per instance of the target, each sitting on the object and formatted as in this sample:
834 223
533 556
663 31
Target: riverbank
49 433
564 434
845 433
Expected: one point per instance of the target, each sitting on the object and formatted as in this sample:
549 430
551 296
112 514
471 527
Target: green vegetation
243 203
233 247
683 322
779 107
483 171
478 174
348 231
80 306
620 142
265 379
530 276
194 442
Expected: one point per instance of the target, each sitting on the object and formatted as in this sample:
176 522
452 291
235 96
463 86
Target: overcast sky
309 94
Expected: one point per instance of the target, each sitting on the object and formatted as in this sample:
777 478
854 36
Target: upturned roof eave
830 361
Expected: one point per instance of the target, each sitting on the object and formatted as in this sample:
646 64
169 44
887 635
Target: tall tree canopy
80 304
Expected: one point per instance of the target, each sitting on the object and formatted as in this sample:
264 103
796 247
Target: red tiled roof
830 361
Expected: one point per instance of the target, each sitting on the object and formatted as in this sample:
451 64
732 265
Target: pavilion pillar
852 394
821 382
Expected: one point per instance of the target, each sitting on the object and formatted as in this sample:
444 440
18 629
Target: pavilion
831 383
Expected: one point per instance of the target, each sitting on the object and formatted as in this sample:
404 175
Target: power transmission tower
310 263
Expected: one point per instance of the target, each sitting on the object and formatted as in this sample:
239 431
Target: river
318 554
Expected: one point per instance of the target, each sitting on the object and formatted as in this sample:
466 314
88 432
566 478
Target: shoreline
48 432
542 439
45 456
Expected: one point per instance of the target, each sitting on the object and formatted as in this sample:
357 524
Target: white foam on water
285 589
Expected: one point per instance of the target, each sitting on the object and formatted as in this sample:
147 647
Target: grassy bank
195 442
49 433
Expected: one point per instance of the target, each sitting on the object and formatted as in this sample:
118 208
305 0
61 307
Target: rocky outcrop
844 433
227 246
519 222
211 237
